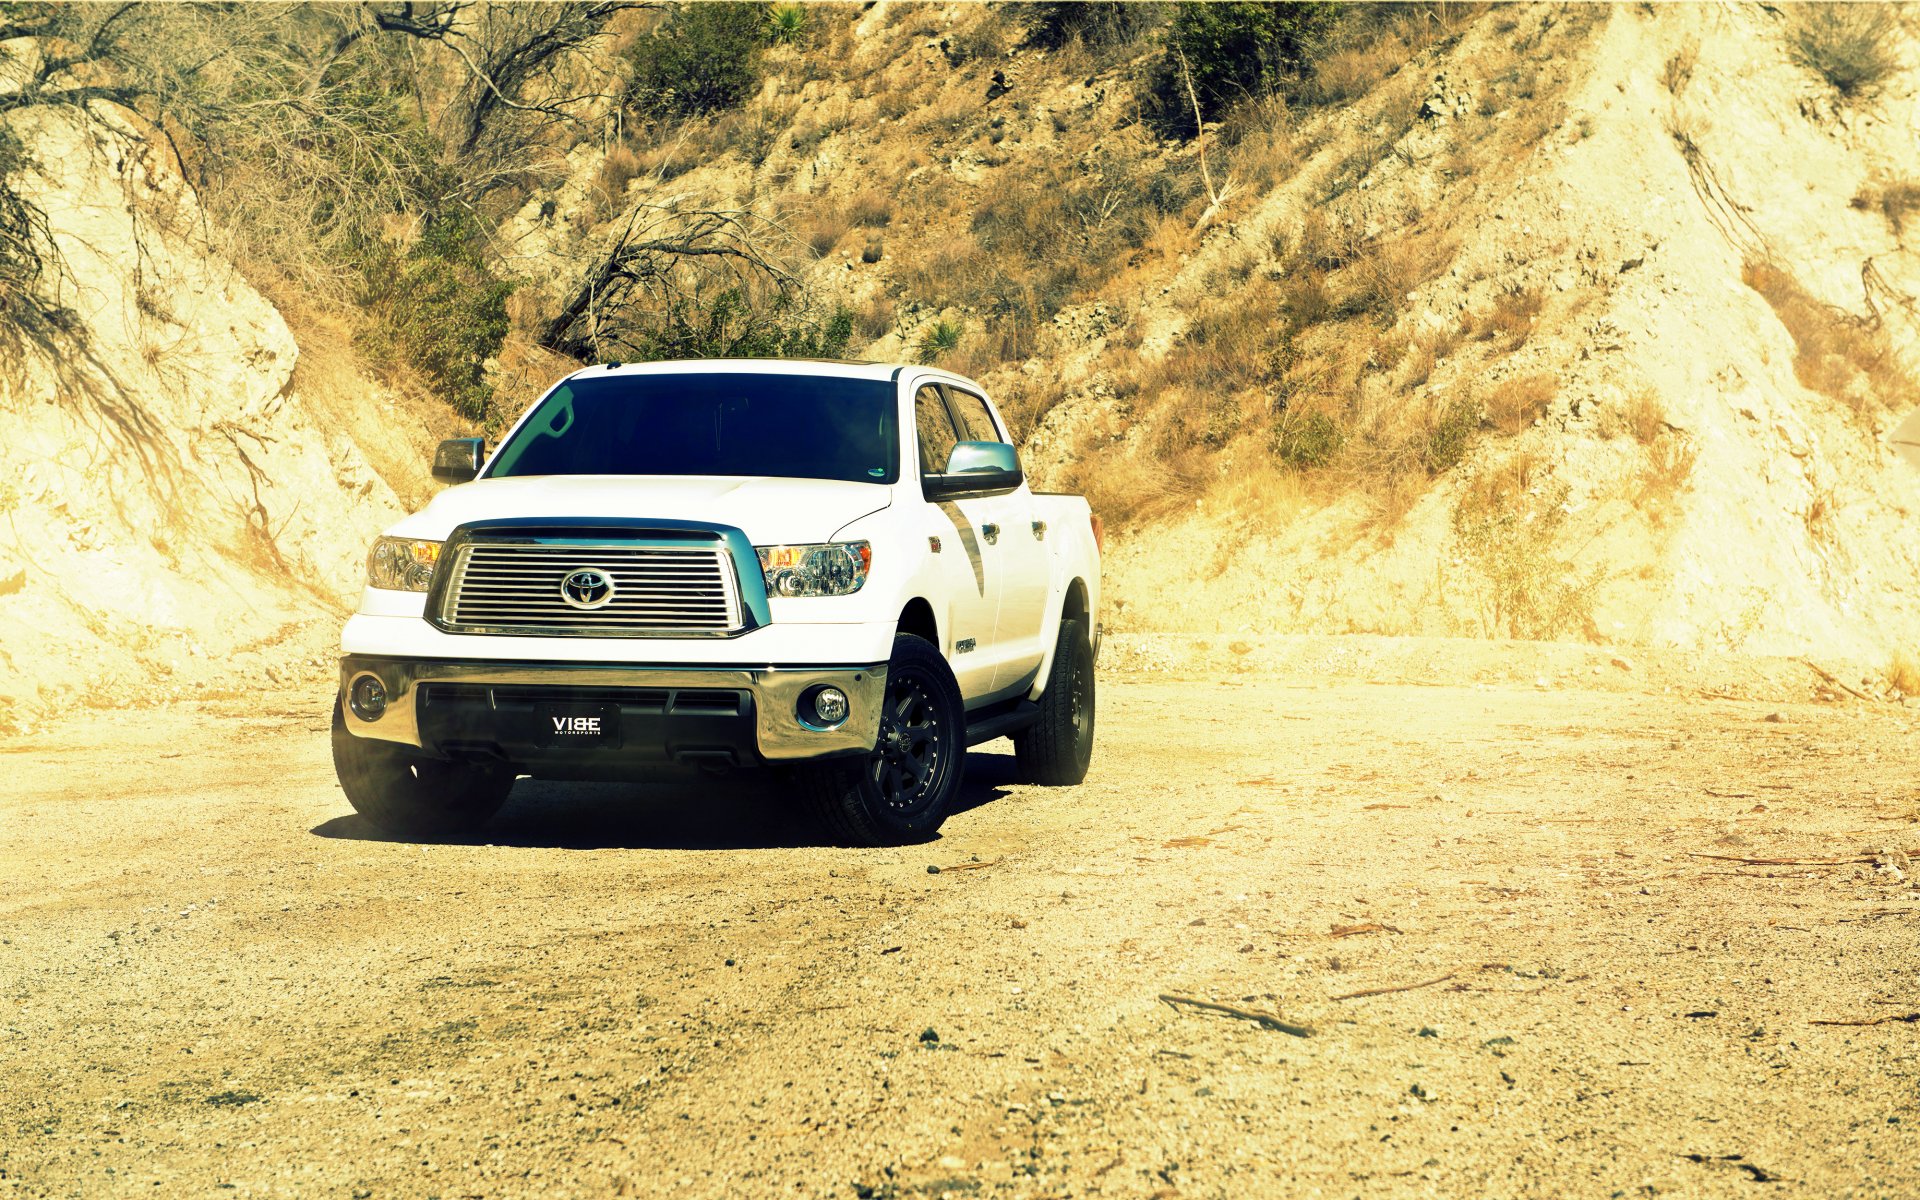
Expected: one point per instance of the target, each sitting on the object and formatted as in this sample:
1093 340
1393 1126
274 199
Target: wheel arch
1075 605
917 618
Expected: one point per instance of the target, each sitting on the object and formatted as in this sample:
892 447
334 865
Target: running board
1004 724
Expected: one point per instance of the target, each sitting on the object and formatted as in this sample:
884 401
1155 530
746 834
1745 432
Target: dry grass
871 209
1642 417
1820 513
1513 406
874 318
1128 491
1835 353
1904 673
1508 322
620 167
824 226
1670 462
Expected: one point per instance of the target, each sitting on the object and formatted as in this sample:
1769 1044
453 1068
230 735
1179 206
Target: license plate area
564 723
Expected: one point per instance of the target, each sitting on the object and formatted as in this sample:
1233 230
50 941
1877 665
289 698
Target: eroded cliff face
177 519
1682 244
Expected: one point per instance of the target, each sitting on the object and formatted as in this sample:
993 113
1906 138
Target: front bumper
672 713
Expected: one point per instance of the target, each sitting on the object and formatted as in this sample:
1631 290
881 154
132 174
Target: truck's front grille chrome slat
656 591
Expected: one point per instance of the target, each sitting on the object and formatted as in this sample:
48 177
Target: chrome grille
659 590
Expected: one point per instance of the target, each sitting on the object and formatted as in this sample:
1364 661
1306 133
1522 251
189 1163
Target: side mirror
459 459
977 468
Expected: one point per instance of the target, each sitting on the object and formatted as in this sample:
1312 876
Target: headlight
402 565
835 569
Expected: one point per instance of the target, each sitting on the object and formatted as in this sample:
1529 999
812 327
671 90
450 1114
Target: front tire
1057 749
411 796
901 792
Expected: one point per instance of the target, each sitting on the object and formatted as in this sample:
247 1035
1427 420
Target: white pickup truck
837 568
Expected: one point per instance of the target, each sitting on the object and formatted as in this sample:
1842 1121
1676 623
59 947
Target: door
966 563
1022 547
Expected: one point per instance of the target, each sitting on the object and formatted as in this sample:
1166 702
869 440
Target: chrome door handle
991 532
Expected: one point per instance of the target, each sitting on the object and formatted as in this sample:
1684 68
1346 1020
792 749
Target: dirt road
214 980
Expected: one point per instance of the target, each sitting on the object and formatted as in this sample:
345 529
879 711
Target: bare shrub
1508 530
1679 69
1516 404
1840 355
1897 200
1848 45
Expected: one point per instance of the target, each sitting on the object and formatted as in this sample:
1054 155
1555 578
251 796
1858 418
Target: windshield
794 426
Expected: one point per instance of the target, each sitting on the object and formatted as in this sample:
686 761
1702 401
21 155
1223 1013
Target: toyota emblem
587 587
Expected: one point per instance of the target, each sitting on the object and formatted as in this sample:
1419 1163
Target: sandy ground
215 980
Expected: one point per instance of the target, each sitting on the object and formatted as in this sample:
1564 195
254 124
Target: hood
768 511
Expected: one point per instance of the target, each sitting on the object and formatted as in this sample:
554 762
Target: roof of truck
751 366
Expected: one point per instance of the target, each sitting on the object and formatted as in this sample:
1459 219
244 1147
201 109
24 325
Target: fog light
367 698
830 706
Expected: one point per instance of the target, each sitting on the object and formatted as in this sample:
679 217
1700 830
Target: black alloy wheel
901 792
911 750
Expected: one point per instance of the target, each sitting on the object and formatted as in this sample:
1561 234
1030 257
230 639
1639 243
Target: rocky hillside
1538 321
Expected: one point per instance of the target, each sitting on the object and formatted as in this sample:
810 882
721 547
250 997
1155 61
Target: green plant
1851 46
1305 441
786 23
1052 24
1450 437
735 322
1229 52
942 337
703 58
437 307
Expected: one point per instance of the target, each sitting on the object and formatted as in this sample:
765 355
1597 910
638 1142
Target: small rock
952 1162
1421 1092
1429 1031
932 870
1624 664
929 1036
1775 718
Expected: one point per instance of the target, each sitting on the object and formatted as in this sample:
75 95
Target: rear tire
412 796
1057 749
902 791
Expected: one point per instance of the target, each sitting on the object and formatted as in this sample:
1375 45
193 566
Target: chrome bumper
776 692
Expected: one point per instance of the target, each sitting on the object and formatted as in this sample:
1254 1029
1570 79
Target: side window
935 429
976 423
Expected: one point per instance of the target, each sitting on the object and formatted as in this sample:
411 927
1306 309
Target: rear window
791 426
